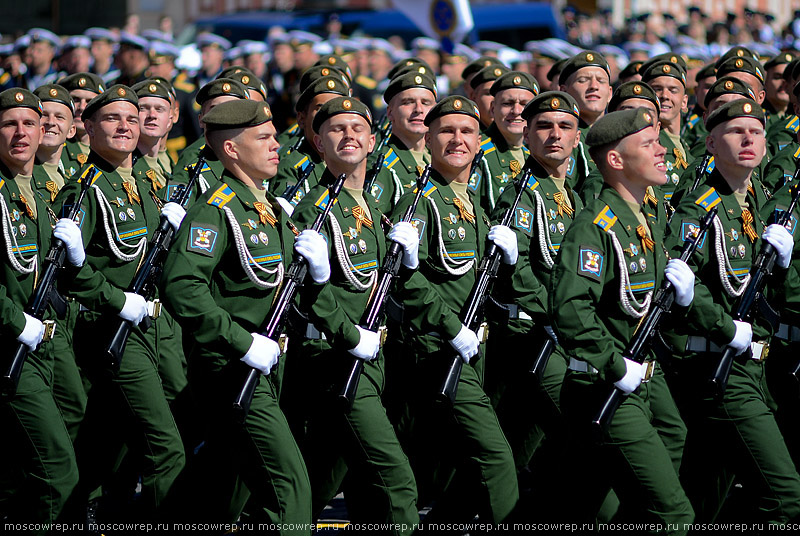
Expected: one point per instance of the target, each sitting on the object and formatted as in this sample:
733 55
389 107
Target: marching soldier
481 89
222 273
693 131
57 121
155 119
82 87
780 169
776 98
785 132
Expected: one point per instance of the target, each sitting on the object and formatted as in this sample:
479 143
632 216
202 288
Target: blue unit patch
376 191
791 225
474 181
419 225
202 239
523 219
590 262
689 230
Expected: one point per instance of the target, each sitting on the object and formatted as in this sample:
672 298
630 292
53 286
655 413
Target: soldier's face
591 88
20 134
552 136
102 50
211 58
155 116
407 111
453 141
306 117
775 86
672 97
703 85
642 158
484 100
738 143
345 139
255 151
507 110
114 129
56 123
629 104
41 53
80 98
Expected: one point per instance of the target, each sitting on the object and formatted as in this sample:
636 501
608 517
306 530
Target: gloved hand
682 279
368 345
68 232
263 353
506 240
466 343
286 206
407 236
135 308
33 332
312 246
783 242
174 213
632 379
743 337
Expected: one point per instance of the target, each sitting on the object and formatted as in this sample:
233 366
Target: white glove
407 236
33 333
632 379
263 353
743 337
466 343
287 206
312 246
68 232
783 242
174 213
682 279
135 308
368 345
506 240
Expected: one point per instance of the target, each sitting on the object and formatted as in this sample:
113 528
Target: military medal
362 246
742 250
552 227
131 213
264 216
561 228
647 242
252 223
122 216
361 218
675 178
563 206
747 227
119 202
14 231
263 237
452 218
15 215
733 235
552 214
28 208
23 229
634 267
132 195
151 174
643 264
463 212
462 233
452 234
254 239
353 249
352 233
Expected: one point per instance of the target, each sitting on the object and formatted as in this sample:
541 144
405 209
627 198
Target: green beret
633 90
409 81
631 69
736 52
55 93
327 84
250 81
115 93
589 58
728 84
332 60
488 74
788 73
312 74
614 126
551 101
415 68
88 81
233 69
555 69
670 57
454 104
741 65
239 113
481 63
708 71
795 74
734 109
515 80
341 105
151 88
219 88
18 97
408 62
784 58
664 68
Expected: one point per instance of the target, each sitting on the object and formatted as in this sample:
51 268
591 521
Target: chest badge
353 249
362 246
254 239
634 267
462 233
131 213
262 236
15 215
643 264
23 229
452 234
742 250
352 234
123 216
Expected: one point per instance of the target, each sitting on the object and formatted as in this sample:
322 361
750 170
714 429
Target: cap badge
666 68
517 80
226 87
498 72
647 117
347 104
245 79
417 79
331 61
53 92
747 108
325 71
637 89
456 104
739 63
121 91
331 84
152 88
19 97
590 57
740 52
728 85
81 82
555 103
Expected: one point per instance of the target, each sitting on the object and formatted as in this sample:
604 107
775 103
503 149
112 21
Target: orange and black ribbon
649 198
133 197
679 161
361 217
647 242
28 208
151 174
52 187
263 214
563 206
747 227
463 213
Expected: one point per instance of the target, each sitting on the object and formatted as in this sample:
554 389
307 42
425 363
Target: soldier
103 43
82 87
481 89
780 169
693 131
126 403
737 434
57 121
472 69
607 267
132 59
37 444
784 132
776 91
75 55
40 56
212 49
155 120
219 284
454 230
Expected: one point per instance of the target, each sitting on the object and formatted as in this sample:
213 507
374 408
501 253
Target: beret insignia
19 97
728 85
498 72
666 68
456 103
739 63
417 79
637 89
82 82
332 61
53 92
245 79
121 91
590 57
331 84
347 104
226 87
555 103
747 108
152 88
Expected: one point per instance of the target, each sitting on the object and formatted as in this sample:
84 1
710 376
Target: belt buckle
383 332
648 371
49 330
483 333
283 342
760 350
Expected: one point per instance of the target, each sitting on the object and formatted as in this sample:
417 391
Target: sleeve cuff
451 327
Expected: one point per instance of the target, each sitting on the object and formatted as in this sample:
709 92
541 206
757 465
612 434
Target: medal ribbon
463 213
749 230
28 208
679 161
263 215
154 179
52 187
649 198
361 217
516 167
563 206
132 195
647 242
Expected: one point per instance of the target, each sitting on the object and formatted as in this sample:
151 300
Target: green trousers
69 385
785 391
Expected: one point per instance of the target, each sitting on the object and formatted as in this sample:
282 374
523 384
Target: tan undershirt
561 185
152 163
741 198
636 208
261 195
460 189
25 188
127 176
358 195
53 173
421 157
518 155
676 141
84 148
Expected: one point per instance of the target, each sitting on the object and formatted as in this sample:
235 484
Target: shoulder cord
105 207
629 302
28 265
344 260
585 160
246 258
724 264
398 187
487 176
545 244
203 183
459 267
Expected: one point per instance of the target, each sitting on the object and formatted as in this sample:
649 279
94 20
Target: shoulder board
2 183
796 153
793 124
390 159
222 196
302 163
366 81
429 189
89 170
324 199
605 219
711 165
708 200
533 183
692 121
488 146
206 167
181 82
5 77
292 129
525 150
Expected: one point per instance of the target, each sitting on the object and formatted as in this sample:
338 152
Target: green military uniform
400 171
294 166
780 170
288 138
693 132
500 165
73 156
211 171
782 133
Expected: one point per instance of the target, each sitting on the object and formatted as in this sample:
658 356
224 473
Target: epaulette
708 200
5 77
525 150
292 129
488 146
533 183
181 82
429 189
605 219
711 165
2 183
86 172
793 124
390 159
322 202
366 81
692 121
796 153
301 165
222 196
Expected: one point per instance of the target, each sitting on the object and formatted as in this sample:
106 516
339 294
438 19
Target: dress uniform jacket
499 163
399 174
292 167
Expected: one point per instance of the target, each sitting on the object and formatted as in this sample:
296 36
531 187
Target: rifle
542 358
291 191
761 270
147 276
637 348
292 281
699 171
372 174
472 313
44 295
374 311
296 145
